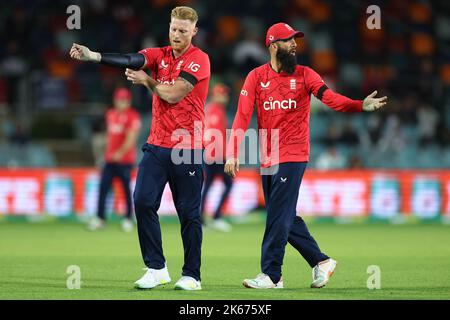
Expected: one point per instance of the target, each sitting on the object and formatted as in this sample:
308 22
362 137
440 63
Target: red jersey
216 119
118 124
180 124
283 107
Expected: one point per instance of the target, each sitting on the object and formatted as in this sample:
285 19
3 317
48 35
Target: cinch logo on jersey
276 104
171 82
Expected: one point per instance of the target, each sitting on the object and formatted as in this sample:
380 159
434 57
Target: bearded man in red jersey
280 90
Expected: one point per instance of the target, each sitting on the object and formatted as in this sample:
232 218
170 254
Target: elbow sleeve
133 61
321 91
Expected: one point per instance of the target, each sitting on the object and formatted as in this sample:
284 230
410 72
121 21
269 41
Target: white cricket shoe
322 273
153 278
127 225
96 224
188 283
262 281
220 225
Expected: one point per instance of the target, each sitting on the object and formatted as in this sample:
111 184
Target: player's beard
287 60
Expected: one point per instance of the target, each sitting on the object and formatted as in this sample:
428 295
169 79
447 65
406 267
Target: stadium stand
408 58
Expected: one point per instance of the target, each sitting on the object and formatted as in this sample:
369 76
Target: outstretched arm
337 101
129 60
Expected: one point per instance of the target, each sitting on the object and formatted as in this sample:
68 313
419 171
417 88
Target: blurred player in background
123 125
216 119
281 91
179 82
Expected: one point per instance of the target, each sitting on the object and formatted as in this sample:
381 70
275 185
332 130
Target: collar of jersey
191 46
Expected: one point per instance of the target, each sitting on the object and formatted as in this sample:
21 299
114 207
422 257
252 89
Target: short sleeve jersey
118 124
179 125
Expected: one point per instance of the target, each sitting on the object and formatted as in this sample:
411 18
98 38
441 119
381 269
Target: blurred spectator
393 139
407 109
428 119
330 159
349 135
374 128
443 134
249 54
333 134
98 142
13 67
19 136
355 162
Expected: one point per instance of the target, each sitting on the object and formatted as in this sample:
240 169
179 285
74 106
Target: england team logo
292 84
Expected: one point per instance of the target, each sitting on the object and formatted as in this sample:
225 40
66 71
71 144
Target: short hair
184 13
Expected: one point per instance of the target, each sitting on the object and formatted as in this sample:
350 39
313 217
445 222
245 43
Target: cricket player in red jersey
215 132
123 124
280 91
174 150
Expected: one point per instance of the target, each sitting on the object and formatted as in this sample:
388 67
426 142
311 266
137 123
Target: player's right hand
80 52
232 167
137 76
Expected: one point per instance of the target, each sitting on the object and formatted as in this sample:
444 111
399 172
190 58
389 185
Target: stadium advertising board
381 194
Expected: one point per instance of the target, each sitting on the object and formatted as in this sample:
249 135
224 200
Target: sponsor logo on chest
168 77
116 128
265 85
285 104
171 82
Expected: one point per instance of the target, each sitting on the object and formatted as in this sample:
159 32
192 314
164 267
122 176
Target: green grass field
414 262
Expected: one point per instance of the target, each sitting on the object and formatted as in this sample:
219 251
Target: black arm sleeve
320 92
133 61
188 77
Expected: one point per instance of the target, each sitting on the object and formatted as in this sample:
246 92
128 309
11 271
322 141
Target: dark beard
288 61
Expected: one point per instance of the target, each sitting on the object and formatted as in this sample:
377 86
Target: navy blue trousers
211 171
185 180
109 172
283 225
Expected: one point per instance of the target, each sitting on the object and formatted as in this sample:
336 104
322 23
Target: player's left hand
370 103
137 77
232 167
